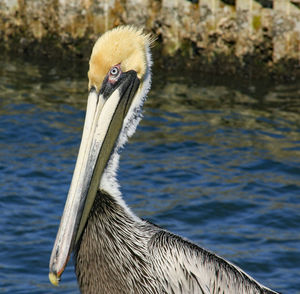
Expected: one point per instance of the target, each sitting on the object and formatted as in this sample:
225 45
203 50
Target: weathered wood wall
266 31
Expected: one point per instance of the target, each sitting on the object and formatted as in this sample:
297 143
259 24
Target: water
216 161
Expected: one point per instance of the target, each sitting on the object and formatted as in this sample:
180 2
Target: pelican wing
186 268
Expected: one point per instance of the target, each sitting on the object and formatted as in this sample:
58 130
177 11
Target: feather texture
121 254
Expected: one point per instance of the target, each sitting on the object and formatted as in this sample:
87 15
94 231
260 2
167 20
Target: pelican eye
114 72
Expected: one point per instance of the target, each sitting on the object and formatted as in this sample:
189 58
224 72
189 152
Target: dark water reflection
217 161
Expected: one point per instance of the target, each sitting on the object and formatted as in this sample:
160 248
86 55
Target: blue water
214 160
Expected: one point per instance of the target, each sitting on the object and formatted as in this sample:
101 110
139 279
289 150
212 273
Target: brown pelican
114 250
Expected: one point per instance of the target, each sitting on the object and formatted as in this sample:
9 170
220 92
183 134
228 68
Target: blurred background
215 159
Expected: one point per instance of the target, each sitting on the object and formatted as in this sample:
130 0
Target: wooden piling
286 40
203 30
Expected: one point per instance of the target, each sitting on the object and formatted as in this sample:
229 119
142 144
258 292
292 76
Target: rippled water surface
217 161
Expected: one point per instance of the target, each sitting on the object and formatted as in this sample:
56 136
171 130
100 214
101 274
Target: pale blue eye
114 71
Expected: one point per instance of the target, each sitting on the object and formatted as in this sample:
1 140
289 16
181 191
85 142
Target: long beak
105 114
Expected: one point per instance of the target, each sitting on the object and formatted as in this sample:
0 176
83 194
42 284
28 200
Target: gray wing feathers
183 267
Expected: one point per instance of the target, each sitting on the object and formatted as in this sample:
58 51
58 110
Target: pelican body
114 250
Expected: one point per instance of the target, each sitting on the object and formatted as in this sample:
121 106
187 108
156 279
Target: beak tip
54 279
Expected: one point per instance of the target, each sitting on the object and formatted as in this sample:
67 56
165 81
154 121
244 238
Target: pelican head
119 79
